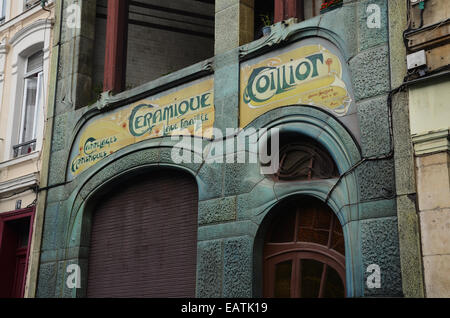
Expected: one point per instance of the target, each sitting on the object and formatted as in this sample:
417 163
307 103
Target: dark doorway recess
304 251
144 238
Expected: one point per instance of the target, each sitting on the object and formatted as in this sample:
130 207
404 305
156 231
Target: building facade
25 50
428 85
156 183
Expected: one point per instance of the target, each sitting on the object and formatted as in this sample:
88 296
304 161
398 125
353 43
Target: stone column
432 151
405 180
234 24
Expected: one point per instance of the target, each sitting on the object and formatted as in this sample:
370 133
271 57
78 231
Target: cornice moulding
431 142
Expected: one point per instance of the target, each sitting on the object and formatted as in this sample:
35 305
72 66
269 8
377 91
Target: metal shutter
144 239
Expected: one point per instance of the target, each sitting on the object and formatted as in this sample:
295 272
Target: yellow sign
188 111
309 75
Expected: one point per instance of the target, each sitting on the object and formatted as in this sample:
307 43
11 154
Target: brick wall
160 41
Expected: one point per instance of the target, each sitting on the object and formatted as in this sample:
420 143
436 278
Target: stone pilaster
234 24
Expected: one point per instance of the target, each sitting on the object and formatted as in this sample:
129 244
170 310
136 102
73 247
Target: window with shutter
144 238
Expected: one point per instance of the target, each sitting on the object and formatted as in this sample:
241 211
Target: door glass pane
337 240
23 229
334 287
283 228
311 275
313 236
323 220
306 217
283 273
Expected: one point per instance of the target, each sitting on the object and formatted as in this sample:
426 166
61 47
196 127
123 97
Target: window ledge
431 142
11 162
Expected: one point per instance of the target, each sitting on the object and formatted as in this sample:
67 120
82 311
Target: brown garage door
144 238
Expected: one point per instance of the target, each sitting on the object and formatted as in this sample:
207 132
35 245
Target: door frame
302 251
14 216
275 253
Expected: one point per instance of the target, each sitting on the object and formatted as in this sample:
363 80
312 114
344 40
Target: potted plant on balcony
328 5
267 22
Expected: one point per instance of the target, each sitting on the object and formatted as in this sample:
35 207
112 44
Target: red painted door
7 260
20 272
14 239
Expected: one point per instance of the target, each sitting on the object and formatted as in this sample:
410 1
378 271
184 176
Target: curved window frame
295 250
318 156
307 252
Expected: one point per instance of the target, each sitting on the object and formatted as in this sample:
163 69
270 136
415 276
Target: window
2 10
303 159
32 102
304 252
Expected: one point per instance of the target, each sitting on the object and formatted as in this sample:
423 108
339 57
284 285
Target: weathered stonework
210 269
371 37
379 239
375 126
370 72
237 280
234 199
217 210
376 180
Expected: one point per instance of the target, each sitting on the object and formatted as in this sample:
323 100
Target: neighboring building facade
427 39
125 215
25 50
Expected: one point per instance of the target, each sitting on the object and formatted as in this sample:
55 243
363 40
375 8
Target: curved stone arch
139 156
128 162
326 34
343 200
345 215
155 148
352 255
285 35
317 124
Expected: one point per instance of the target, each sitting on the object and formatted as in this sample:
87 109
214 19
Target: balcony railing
24 148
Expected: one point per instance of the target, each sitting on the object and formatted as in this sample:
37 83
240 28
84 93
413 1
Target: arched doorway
304 251
144 237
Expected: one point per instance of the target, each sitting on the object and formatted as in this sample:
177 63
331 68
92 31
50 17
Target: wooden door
304 253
